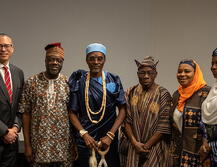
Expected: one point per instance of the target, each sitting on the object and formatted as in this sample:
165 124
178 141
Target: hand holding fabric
105 142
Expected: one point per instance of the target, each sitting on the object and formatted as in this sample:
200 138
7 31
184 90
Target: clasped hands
11 136
141 147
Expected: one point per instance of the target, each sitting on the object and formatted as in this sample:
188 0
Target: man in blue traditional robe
94 96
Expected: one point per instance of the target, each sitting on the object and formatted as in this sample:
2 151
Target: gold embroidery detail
204 94
134 100
200 94
190 113
154 107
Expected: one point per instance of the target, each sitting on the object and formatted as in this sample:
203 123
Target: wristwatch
82 132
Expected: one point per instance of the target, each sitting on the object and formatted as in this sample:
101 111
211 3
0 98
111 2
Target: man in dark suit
11 83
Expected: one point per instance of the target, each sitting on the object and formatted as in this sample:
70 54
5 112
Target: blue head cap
96 47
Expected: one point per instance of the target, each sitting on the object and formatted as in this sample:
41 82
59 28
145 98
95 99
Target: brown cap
54 49
147 62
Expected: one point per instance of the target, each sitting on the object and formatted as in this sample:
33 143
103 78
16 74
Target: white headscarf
209 107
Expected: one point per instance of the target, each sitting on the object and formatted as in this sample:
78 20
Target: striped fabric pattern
213 146
148 112
8 82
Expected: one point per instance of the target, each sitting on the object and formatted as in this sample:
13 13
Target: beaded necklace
103 105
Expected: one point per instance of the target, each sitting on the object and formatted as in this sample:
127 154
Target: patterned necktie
8 82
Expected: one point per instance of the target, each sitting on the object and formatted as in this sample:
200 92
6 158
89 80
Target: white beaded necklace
103 105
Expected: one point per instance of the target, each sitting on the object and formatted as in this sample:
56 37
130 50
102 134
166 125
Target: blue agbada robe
115 97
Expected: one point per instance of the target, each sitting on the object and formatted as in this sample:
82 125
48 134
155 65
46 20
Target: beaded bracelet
112 134
109 136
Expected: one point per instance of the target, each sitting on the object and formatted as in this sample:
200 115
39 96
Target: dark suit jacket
9 112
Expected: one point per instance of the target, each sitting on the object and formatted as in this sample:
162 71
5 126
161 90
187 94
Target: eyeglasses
6 46
146 72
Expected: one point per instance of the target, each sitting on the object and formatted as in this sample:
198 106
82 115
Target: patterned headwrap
54 49
214 53
147 62
189 62
197 83
96 47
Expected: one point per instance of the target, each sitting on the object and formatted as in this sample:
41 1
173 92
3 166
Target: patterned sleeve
26 96
203 94
213 145
165 109
128 118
